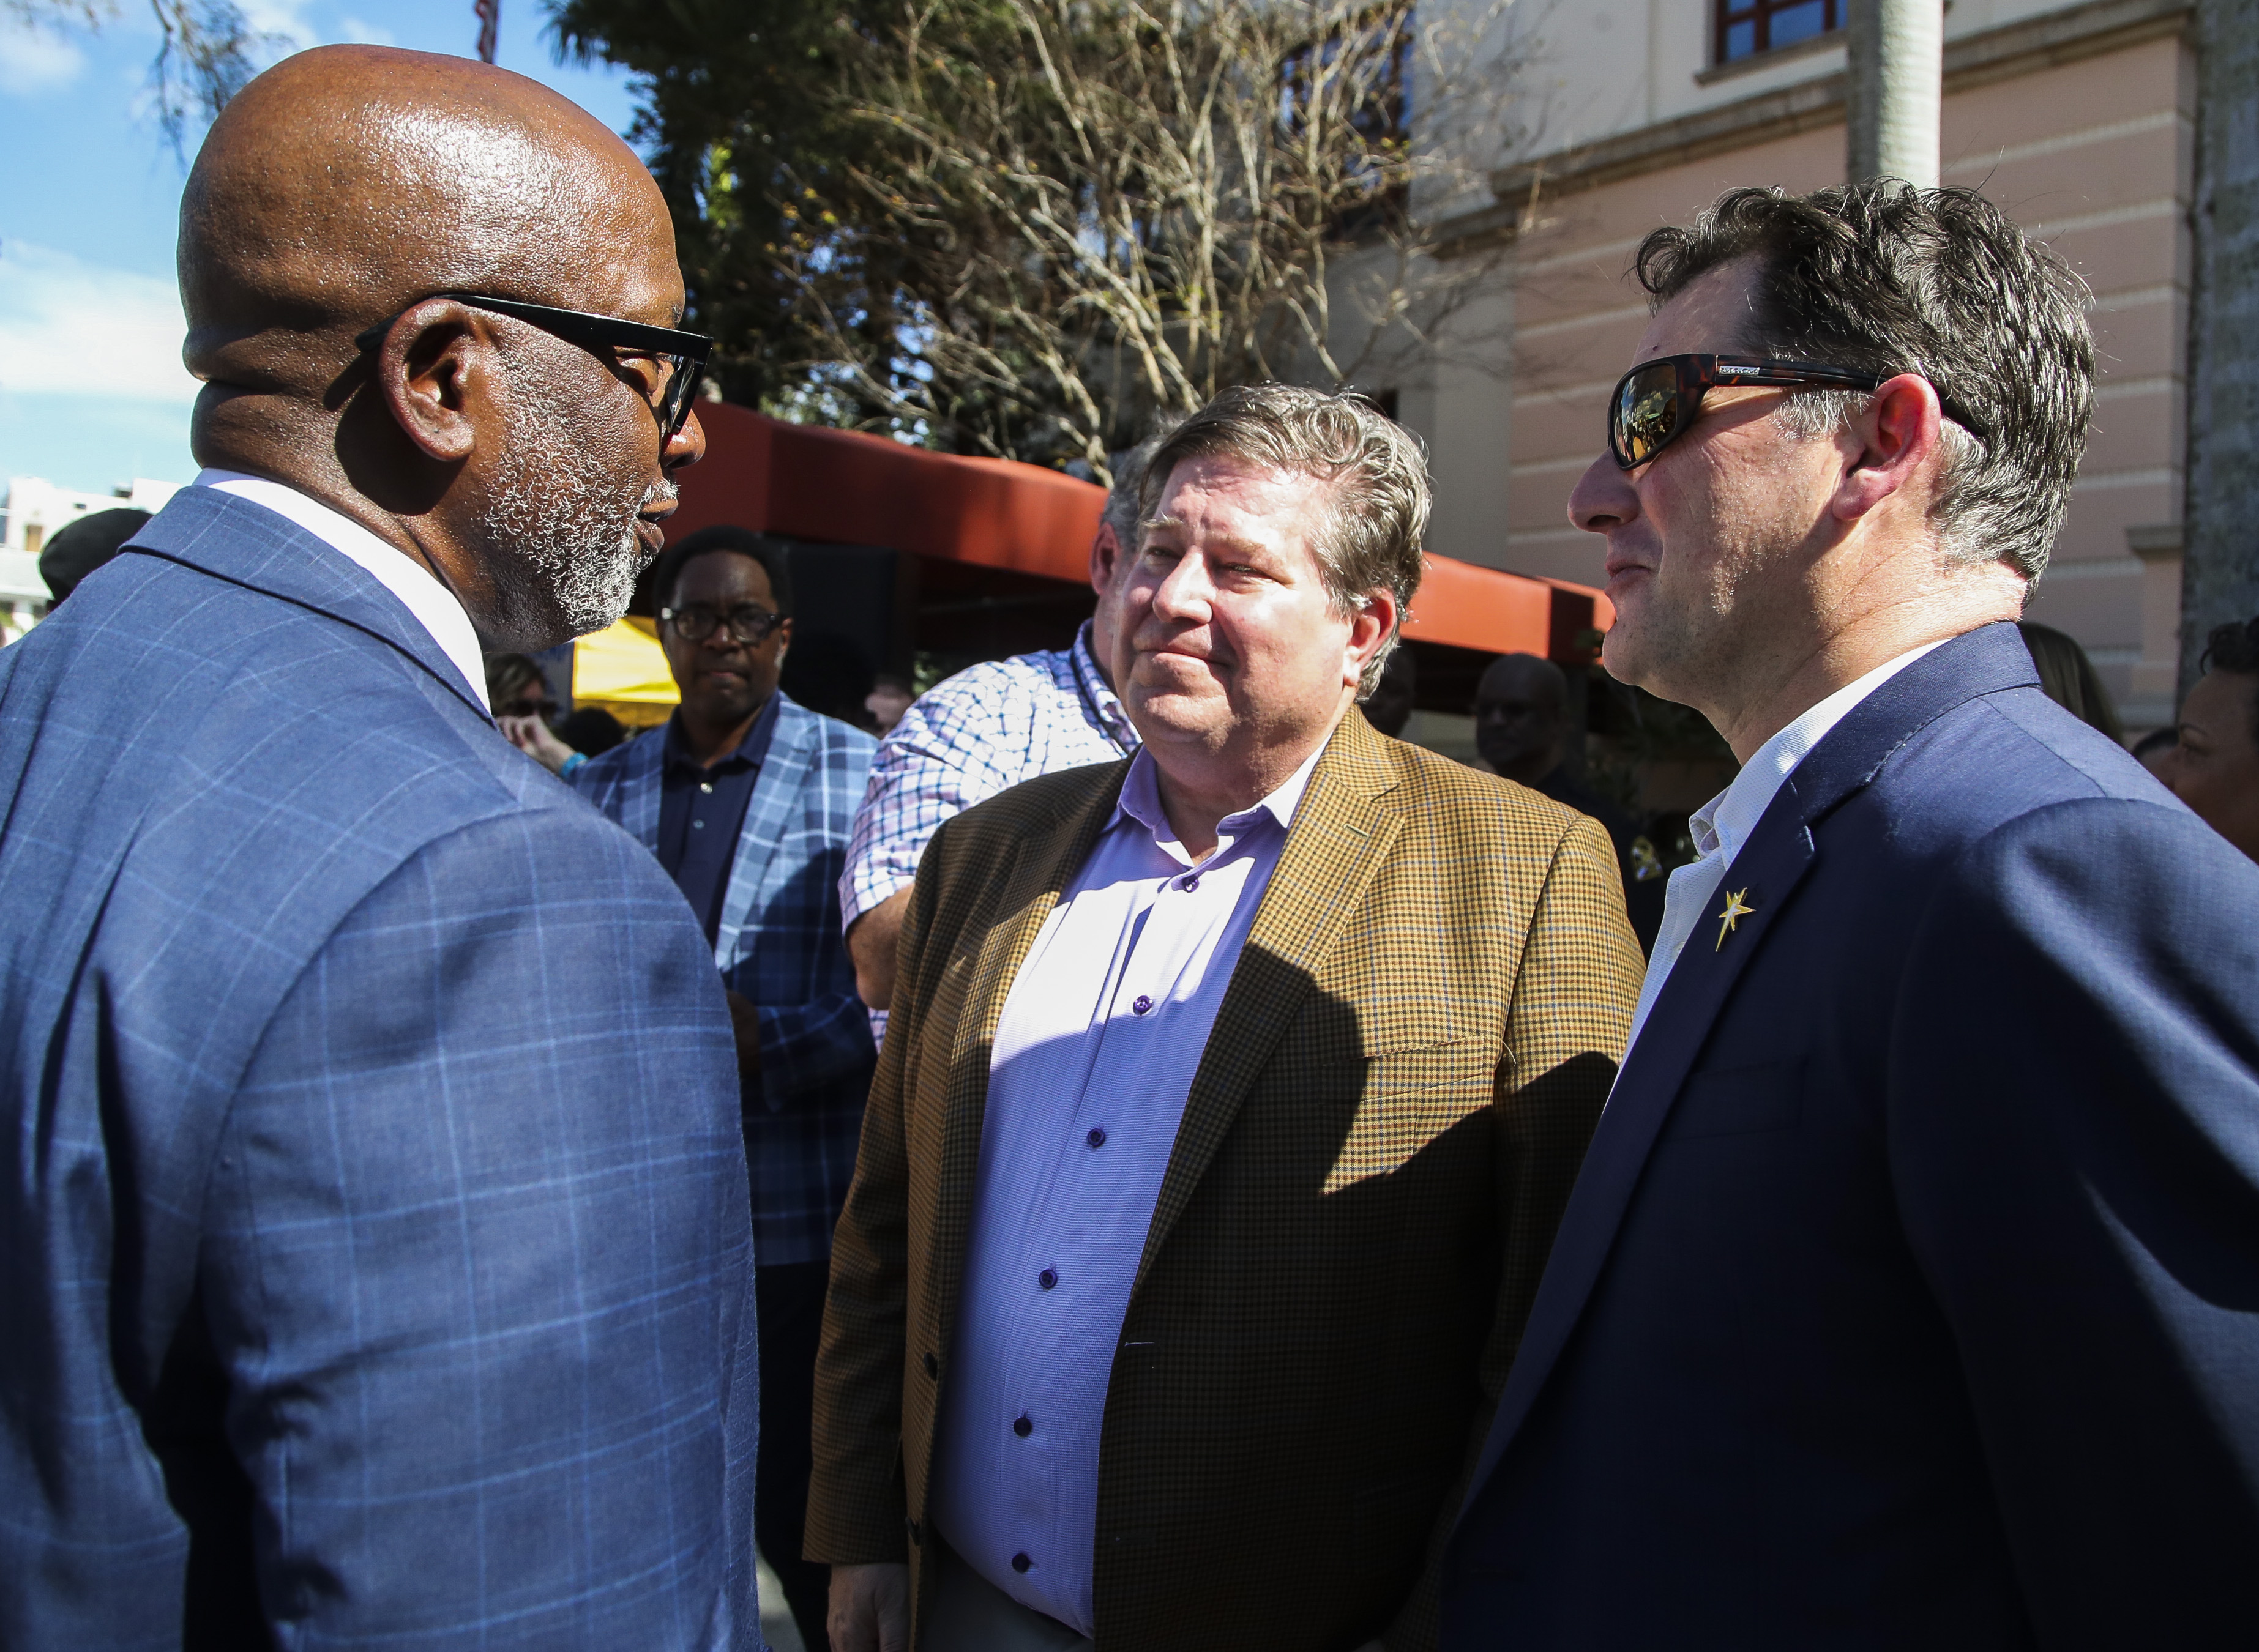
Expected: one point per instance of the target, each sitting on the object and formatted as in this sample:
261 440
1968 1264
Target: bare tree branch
1085 212
207 51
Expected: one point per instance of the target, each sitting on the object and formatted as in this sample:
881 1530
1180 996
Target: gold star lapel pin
1737 908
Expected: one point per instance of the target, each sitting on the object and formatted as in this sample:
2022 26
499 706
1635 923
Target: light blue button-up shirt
1095 1051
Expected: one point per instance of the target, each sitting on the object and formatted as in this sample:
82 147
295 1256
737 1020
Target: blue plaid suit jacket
373 1247
779 944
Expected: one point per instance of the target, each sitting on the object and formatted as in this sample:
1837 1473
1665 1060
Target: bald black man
373 1244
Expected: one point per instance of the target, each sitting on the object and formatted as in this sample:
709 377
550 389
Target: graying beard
560 568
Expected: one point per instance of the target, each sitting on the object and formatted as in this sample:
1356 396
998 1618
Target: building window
1747 27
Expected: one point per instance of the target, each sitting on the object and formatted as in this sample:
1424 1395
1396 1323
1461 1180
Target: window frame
1759 13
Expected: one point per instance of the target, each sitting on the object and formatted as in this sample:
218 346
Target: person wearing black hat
83 546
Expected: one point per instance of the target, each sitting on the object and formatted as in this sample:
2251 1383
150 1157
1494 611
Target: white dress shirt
431 603
1095 1051
1723 824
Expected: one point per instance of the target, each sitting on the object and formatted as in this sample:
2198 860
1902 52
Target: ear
435 369
1898 437
1105 558
1372 625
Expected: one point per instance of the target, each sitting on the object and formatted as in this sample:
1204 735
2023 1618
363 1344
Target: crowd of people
1137 1157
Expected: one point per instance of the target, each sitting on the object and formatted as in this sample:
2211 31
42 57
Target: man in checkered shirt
986 729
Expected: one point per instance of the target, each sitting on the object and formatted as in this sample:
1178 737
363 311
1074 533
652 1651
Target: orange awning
805 482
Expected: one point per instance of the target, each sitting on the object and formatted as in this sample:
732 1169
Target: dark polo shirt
702 810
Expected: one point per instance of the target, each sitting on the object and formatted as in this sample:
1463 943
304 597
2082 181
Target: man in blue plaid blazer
374 1256
748 800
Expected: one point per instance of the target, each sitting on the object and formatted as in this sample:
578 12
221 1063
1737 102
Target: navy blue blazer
374 1251
1909 1296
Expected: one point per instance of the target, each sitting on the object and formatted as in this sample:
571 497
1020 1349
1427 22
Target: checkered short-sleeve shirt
966 739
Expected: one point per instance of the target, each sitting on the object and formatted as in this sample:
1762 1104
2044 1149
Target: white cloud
361 32
34 60
71 328
284 18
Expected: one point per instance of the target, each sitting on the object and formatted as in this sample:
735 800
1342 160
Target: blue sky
92 393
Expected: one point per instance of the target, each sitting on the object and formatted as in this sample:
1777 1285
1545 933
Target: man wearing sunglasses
1907 1294
375 1260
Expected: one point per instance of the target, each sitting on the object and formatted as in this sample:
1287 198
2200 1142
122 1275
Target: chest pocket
1409 1098
1738 1101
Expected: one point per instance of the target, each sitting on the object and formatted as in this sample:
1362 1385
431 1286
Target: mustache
631 543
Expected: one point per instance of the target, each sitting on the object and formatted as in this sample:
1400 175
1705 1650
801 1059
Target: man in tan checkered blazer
1231 1098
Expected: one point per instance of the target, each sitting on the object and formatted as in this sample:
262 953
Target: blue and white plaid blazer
373 1258
779 945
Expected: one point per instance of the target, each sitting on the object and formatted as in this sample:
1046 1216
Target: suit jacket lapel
248 545
1770 866
1340 835
768 816
1768 869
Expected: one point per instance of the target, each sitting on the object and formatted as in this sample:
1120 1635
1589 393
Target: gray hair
1376 513
1888 279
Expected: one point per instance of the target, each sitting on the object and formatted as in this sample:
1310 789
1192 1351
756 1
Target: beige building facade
2077 119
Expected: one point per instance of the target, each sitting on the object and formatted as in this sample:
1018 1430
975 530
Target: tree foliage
735 97
1024 227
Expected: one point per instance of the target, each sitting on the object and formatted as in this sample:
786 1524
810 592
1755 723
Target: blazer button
933 1366
1021 1562
1024 1425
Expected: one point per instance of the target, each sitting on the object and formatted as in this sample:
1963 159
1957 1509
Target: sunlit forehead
1211 540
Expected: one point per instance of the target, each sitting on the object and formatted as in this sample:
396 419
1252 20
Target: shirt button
1097 1138
697 825
1024 1425
1021 1562
1142 1004
1048 1278
706 786
1190 884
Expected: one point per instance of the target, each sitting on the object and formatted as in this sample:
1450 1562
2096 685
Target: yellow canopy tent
623 669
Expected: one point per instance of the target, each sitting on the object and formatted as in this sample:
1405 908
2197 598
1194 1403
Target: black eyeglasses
682 354
746 624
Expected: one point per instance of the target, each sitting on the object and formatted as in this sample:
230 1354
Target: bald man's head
347 181
1520 726
339 192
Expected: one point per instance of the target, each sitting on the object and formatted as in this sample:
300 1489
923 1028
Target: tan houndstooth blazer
1410 1059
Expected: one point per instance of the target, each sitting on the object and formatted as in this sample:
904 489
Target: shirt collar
435 606
752 751
1141 802
1112 716
1727 820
